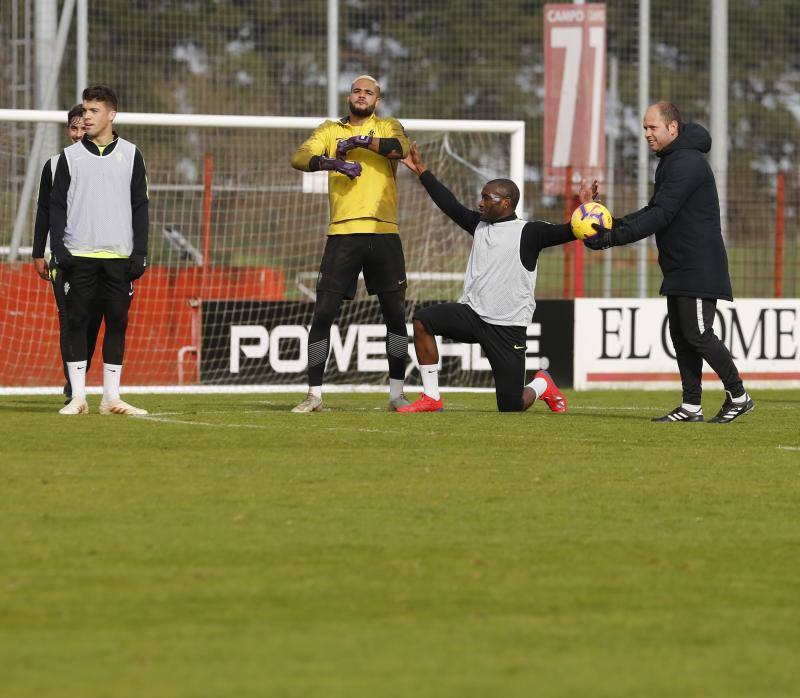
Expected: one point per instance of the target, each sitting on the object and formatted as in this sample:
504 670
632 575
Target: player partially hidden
497 303
41 229
360 152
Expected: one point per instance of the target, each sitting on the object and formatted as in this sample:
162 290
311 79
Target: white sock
694 409
395 388
315 390
111 376
741 399
430 380
538 385
77 378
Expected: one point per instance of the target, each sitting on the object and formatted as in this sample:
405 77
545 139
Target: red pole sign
575 92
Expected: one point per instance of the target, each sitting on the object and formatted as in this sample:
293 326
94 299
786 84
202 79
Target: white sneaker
400 401
118 406
312 403
76 405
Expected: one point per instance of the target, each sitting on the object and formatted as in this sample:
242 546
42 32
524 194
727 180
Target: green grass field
226 548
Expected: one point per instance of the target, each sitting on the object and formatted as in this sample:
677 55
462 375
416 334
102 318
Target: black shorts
92 281
379 255
504 346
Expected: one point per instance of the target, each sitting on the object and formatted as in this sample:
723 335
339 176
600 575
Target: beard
362 112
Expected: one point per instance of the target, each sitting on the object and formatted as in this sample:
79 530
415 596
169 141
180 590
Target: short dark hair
669 112
75 113
507 188
101 93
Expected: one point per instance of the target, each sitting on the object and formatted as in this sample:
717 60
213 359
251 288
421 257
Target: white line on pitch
154 418
789 448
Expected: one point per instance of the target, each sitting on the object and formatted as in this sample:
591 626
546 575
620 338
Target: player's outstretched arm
587 193
538 235
413 160
441 195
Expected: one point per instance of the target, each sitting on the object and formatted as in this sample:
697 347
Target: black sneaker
730 410
680 415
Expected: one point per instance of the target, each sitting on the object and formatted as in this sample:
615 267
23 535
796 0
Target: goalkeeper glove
346 146
602 240
136 266
62 258
350 168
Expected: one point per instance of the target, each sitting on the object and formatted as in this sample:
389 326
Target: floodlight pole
81 48
47 95
643 171
611 161
333 58
719 104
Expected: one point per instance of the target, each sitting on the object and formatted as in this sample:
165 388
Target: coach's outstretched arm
441 195
678 185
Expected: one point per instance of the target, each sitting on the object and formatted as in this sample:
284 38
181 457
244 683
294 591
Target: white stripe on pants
700 324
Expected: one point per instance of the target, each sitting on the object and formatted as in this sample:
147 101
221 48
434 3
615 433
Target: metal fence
468 60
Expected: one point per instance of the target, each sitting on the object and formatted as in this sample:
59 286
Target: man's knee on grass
510 402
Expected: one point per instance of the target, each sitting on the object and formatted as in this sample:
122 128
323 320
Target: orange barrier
165 317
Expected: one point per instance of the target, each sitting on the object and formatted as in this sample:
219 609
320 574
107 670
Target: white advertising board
625 343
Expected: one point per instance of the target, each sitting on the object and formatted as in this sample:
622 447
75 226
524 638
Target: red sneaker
552 396
424 404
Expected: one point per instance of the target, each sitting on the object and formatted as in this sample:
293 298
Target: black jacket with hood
684 215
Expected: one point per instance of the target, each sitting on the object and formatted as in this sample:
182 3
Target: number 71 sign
574 93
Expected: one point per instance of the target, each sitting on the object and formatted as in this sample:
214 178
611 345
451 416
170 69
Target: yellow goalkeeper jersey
368 203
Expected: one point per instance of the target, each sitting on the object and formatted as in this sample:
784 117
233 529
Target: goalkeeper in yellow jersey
360 151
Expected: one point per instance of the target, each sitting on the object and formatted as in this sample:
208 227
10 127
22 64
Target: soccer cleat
312 403
424 404
400 401
552 396
119 407
730 410
680 415
76 405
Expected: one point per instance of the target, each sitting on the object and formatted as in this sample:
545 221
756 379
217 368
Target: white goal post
515 129
235 241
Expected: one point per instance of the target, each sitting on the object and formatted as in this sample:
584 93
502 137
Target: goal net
236 237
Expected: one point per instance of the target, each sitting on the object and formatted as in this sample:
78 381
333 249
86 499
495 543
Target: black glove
136 266
351 168
602 240
62 258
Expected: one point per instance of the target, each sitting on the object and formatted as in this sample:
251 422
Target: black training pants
92 329
88 280
691 328
504 346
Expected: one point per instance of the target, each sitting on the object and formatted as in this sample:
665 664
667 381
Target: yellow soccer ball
585 215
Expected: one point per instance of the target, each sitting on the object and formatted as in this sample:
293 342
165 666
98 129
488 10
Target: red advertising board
575 93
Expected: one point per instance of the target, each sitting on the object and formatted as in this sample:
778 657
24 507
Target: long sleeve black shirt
536 235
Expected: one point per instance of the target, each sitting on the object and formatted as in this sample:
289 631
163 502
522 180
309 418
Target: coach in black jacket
684 216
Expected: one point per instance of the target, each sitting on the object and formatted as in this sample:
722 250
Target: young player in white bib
98 234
